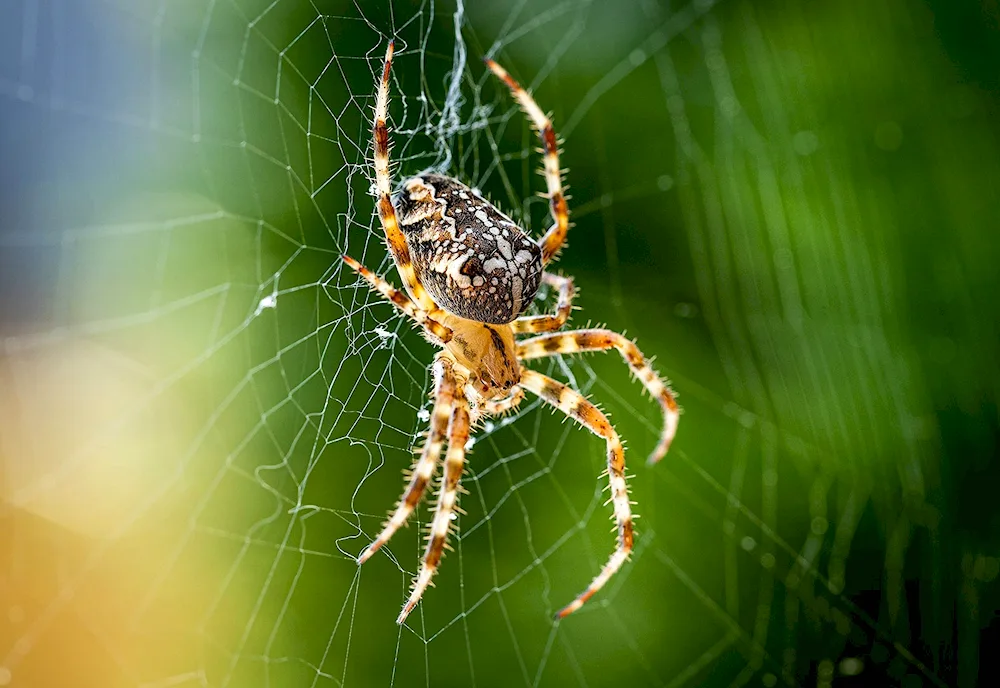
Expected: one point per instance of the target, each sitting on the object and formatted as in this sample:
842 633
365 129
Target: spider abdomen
474 260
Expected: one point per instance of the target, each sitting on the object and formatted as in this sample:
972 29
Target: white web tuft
214 414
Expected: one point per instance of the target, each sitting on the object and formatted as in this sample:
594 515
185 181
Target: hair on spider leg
608 487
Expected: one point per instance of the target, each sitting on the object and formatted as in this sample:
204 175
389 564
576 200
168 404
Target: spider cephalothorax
469 273
474 260
488 352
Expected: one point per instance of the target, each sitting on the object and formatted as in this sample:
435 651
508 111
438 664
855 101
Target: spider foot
571 607
366 554
671 418
407 608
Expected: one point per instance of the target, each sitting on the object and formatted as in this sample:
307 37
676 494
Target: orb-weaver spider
469 272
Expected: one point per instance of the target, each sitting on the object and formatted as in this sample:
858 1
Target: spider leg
401 301
548 323
601 340
574 405
556 236
423 471
387 214
496 407
492 407
454 464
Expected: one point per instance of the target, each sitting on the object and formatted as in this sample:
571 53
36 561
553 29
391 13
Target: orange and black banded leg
574 405
556 236
439 332
454 464
423 471
576 341
564 306
387 214
497 407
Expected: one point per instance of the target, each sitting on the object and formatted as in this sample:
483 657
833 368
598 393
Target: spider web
205 417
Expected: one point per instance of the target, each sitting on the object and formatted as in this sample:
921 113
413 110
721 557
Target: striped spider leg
574 405
578 341
435 331
423 470
498 407
394 237
450 416
555 237
454 464
549 322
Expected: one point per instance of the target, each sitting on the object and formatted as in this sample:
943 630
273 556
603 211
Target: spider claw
365 555
667 439
658 453
569 609
407 608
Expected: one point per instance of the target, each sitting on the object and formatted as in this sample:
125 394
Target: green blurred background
203 419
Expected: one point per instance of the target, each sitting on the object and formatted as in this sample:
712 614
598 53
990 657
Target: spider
469 272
